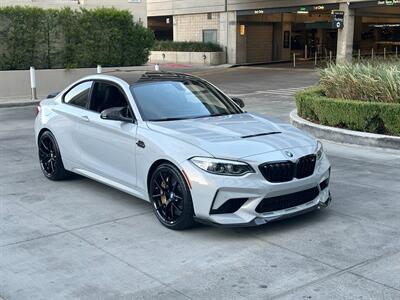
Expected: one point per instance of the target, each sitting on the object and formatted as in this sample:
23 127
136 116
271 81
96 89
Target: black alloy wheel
50 157
170 196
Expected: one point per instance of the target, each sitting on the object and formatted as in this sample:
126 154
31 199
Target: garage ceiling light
242 29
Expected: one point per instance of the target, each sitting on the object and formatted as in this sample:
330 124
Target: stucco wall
16 84
174 7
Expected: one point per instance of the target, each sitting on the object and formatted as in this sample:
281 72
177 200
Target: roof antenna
157 67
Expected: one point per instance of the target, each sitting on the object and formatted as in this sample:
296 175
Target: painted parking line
282 92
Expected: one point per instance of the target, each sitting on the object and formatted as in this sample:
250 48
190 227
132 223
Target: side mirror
115 114
238 101
52 95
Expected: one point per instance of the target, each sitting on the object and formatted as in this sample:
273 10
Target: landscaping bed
362 97
186 46
187 53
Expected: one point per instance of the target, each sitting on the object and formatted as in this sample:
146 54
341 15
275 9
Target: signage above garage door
388 2
292 9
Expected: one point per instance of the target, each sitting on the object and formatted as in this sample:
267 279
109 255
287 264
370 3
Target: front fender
160 147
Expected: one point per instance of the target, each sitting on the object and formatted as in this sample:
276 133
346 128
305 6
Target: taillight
38 109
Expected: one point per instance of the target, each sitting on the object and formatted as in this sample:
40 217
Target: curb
19 103
344 135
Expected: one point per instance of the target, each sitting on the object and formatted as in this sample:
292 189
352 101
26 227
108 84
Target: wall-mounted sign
388 2
319 7
303 9
337 19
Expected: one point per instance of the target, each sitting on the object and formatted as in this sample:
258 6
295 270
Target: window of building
209 16
210 36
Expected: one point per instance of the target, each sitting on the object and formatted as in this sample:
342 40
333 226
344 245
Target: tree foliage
66 38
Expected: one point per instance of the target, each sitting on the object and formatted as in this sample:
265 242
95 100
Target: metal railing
320 59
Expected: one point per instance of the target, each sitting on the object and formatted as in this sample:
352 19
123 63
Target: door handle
85 118
140 144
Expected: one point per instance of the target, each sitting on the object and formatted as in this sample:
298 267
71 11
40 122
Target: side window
79 95
106 96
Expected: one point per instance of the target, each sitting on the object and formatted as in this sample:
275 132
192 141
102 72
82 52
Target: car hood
235 136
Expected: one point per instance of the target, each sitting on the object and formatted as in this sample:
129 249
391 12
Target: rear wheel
50 157
171 199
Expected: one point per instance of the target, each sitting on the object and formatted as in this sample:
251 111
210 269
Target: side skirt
111 183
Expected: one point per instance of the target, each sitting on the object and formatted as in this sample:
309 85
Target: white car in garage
179 142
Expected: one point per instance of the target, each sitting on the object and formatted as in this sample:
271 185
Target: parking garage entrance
308 32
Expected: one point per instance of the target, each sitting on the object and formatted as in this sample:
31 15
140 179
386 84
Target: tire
170 197
50 157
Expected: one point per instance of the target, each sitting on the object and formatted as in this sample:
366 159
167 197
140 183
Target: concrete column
345 35
174 28
227 34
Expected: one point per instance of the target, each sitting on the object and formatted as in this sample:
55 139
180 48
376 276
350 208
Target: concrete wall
211 58
177 7
174 7
16 84
138 8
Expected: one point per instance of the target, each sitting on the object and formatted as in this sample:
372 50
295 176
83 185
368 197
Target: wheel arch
153 167
43 130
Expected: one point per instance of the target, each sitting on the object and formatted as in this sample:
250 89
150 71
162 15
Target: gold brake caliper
163 196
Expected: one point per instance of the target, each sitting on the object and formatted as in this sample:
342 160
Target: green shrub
186 46
368 81
48 38
375 117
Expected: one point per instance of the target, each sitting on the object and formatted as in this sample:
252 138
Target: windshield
177 100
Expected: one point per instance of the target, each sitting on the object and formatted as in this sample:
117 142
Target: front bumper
211 191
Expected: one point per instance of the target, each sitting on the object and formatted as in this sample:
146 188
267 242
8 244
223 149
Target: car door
107 147
74 104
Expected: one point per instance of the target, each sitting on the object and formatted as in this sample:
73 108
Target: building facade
137 7
255 31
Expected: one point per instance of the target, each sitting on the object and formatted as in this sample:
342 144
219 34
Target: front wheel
171 199
50 157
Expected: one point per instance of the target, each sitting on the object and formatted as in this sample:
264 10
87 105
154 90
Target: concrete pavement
79 239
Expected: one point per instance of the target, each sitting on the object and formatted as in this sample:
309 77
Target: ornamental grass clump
375 81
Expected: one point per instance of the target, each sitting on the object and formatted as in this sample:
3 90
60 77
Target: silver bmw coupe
179 142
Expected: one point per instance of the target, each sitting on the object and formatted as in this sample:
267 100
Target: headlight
319 151
222 166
